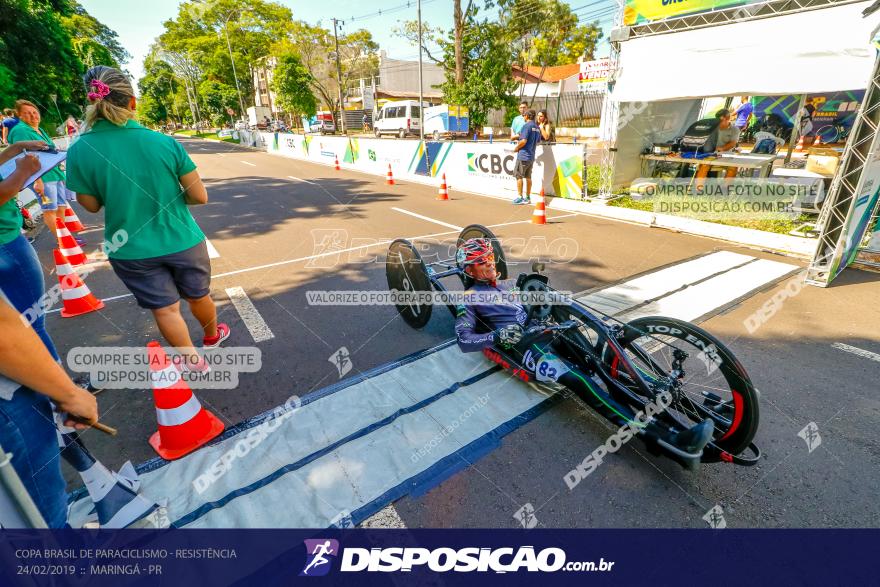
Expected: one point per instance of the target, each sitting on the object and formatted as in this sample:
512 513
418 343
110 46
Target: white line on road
300 179
441 223
334 252
248 163
387 517
857 351
212 252
249 314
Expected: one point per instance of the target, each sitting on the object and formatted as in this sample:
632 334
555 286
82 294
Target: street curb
791 246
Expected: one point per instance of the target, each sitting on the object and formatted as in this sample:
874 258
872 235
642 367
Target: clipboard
48 160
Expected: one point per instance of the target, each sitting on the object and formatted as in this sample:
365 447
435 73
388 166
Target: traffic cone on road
75 295
67 244
539 216
71 220
444 193
184 425
389 178
337 164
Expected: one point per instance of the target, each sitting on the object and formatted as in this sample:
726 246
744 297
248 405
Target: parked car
398 118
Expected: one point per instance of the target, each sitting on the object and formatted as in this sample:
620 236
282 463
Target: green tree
92 41
314 46
291 84
217 97
42 61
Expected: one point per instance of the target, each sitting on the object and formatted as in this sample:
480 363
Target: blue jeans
28 432
21 279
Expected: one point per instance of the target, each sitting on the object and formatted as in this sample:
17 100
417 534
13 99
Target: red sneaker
223 333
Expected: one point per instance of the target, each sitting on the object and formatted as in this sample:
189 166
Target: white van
398 118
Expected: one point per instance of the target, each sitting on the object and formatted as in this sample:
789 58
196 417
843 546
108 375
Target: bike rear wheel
714 383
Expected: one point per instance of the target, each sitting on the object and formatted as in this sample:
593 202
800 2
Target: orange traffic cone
337 164
539 216
75 295
67 245
444 193
71 220
800 144
184 425
389 179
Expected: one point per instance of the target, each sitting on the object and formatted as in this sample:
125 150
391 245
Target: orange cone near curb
337 164
67 245
184 425
539 216
443 194
75 295
71 220
389 179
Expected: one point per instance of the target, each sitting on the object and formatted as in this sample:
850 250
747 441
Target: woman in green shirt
50 187
145 182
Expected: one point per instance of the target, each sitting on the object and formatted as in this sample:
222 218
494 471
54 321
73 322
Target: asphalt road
269 216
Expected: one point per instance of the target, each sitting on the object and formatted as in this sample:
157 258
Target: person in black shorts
529 136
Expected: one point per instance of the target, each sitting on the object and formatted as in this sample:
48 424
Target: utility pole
339 75
421 98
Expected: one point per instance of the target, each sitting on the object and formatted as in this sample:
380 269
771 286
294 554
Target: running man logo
320 553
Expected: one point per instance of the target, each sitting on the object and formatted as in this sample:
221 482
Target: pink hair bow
101 90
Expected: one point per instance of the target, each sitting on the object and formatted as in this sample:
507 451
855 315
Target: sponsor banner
642 11
856 227
366 557
831 108
478 167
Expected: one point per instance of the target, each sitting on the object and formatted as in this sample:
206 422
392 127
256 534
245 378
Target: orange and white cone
75 295
539 216
337 164
389 178
184 425
443 194
800 144
71 220
67 245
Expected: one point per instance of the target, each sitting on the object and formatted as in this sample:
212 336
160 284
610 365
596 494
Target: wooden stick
97 426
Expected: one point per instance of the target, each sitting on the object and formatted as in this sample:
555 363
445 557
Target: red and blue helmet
475 251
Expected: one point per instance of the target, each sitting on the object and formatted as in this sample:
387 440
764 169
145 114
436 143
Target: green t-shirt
10 221
134 172
24 132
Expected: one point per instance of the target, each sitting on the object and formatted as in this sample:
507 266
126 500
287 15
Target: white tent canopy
809 52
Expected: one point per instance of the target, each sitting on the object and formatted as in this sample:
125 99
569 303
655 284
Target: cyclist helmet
475 251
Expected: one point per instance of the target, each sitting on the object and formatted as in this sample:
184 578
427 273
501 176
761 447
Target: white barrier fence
485 168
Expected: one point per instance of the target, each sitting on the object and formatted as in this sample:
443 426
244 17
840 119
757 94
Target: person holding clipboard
145 181
50 188
30 373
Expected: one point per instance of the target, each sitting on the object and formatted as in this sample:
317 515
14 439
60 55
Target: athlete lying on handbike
544 353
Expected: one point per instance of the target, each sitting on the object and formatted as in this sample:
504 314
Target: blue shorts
54 195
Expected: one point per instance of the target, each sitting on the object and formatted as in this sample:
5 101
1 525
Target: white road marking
387 517
440 222
249 314
212 252
300 179
334 252
248 163
857 351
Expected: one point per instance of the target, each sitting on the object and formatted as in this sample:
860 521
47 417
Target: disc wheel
406 272
480 231
713 384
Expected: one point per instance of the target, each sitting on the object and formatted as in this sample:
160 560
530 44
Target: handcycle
638 362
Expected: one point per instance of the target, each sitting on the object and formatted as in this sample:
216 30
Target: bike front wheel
712 383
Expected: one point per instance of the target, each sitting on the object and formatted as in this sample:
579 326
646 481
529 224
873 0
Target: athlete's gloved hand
508 336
